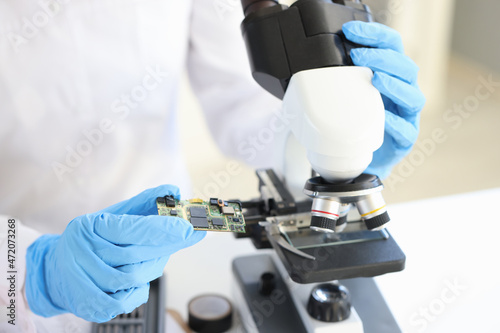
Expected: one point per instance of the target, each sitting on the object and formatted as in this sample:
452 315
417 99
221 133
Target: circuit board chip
199 222
217 221
228 211
214 215
197 211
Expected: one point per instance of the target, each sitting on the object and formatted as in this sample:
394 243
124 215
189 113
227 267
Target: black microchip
232 227
173 212
160 200
235 219
170 200
199 222
218 221
214 201
198 211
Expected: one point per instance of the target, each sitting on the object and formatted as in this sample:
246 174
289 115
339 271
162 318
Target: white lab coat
88 101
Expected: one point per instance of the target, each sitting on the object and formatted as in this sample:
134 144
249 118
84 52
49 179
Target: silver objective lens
324 214
373 211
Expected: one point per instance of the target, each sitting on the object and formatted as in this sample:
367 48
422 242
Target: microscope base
284 310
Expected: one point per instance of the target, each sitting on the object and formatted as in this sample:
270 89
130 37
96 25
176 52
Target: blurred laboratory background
456 46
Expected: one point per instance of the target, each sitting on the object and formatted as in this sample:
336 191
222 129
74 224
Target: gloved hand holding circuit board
101 266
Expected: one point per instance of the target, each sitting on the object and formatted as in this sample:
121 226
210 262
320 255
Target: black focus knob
267 284
321 223
329 302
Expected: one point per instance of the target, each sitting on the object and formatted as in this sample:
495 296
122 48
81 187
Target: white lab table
450 284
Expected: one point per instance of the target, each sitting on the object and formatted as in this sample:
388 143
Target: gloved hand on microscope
395 76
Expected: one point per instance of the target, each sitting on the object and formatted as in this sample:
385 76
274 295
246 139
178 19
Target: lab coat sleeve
15 238
243 118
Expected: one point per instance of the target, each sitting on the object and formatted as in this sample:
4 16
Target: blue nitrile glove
102 264
395 76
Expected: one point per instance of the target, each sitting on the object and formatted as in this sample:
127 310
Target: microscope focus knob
267 283
329 302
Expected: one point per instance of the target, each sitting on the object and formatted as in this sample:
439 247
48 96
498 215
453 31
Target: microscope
328 236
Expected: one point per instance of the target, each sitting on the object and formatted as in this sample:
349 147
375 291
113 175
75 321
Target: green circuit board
214 215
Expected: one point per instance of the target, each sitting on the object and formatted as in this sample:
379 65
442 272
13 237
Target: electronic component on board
214 215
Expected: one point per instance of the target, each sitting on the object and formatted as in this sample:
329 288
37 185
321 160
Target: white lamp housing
338 117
